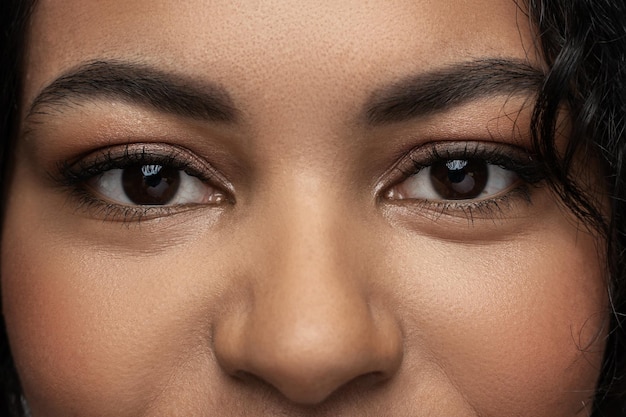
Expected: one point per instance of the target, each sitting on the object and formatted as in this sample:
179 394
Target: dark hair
583 43
13 20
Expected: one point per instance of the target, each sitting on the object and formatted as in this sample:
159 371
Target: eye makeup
464 178
142 181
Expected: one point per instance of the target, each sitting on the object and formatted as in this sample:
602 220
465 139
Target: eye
443 179
456 179
470 179
153 185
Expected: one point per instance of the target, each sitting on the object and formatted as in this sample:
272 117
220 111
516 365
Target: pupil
153 185
459 179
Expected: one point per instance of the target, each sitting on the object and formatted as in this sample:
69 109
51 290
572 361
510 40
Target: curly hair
583 43
584 46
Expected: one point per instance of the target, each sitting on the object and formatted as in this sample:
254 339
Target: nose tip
310 318
309 358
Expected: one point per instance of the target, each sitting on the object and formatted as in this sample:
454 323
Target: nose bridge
311 234
312 286
310 328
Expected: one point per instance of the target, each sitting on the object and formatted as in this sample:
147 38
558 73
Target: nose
312 324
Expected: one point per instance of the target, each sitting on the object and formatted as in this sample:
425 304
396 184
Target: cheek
516 325
110 330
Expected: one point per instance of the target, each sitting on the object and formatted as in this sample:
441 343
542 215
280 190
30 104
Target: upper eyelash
71 174
523 163
530 171
527 167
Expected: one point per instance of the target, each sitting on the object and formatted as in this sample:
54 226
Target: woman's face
292 208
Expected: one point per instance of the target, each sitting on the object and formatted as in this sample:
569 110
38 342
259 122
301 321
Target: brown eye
153 185
150 184
459 179
455 179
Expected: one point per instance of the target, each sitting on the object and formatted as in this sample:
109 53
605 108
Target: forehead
261 45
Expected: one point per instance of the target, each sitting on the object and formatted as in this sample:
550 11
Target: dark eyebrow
451 86
137 84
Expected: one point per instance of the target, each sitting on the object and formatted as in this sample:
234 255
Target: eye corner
471 179
138 182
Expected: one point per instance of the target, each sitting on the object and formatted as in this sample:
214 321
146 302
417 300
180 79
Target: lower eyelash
73 176
489 208
115 212
516 160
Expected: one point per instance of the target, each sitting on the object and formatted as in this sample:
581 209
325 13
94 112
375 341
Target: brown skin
311 288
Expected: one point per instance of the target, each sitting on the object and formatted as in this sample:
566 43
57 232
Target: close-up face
292 208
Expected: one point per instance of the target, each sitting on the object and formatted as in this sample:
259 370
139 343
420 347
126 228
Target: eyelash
75 175
511 158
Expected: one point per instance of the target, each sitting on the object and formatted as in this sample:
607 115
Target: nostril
361 383
244 376
315 333
368 380
311 370
251 379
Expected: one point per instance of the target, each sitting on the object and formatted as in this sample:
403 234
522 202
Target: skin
316 286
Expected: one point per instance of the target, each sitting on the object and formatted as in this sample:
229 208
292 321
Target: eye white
419 186
191 190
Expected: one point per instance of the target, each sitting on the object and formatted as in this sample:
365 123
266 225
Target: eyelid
529 170
73 176
95 162
511 157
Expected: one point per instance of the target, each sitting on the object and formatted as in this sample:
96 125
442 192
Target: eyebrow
452 86
140 85
415 96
